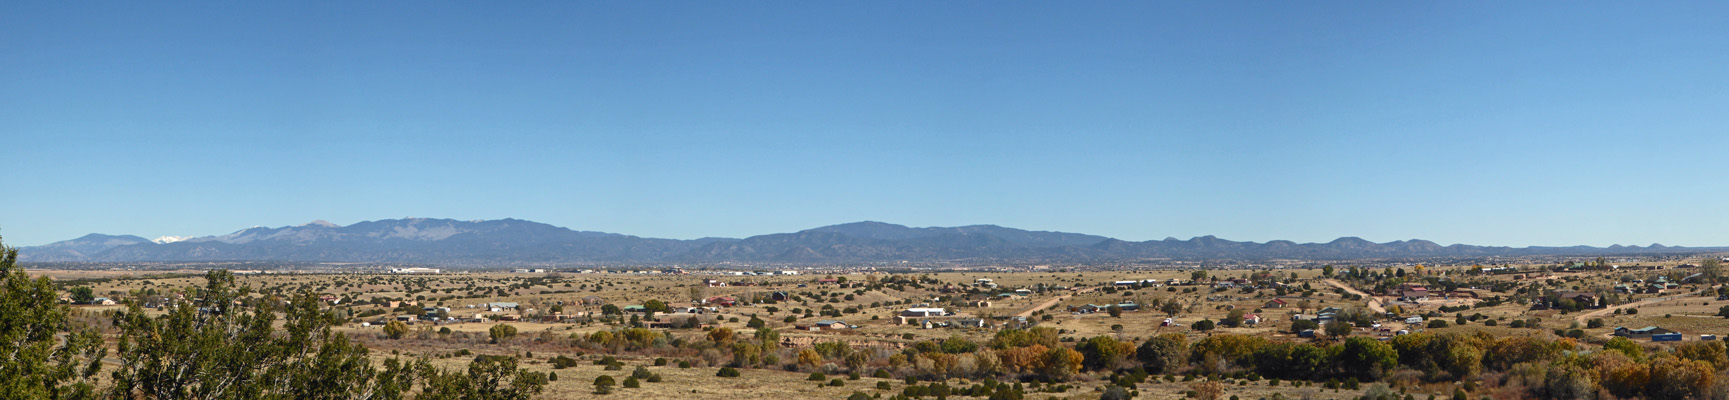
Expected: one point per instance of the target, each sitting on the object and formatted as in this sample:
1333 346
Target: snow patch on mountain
170 239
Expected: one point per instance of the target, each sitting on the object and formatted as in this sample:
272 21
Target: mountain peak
169 239
321 223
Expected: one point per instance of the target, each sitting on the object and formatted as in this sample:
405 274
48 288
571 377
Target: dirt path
1606 311
1373 302
1053 301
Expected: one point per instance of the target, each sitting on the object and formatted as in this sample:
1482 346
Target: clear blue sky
1495 123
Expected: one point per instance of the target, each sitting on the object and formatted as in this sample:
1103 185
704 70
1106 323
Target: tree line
209 346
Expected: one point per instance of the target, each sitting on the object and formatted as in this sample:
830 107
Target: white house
924 312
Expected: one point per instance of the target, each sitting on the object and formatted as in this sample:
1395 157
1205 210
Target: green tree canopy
49 358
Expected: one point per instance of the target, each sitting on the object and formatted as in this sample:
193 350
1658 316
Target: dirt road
1374 303
1053 301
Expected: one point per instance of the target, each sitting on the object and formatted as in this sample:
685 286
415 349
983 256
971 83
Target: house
969 323
1251 319
1415 319
1403 287
634 308
924 312
980 303
1129 306
713 283
824 325
1126 283
593 301
407 318
501 306
1023 292
1584 299
1414 293
1641 333
1085 309
780 296
827 281
102 301
1276 303
1303 317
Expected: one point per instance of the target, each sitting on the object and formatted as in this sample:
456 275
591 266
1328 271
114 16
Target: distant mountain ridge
513 241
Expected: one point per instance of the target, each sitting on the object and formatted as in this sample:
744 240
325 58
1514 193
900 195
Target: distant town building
1641 333
415 270
924 312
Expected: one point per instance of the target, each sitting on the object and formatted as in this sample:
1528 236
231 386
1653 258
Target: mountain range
513 241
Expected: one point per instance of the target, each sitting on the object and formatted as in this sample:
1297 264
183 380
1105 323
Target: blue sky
1494 123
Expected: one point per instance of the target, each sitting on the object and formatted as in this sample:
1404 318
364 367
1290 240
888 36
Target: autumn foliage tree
1062 363
1027 359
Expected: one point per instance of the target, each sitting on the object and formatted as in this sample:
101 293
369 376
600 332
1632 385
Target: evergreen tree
48 357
